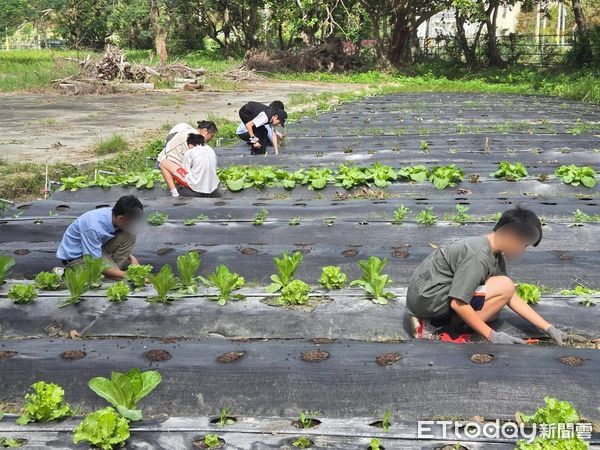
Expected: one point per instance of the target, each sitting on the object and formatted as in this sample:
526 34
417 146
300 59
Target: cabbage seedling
47 281
22 293
118 292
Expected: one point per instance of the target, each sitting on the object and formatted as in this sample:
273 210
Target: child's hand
557 335
500 337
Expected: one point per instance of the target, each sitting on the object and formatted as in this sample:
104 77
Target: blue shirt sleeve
91 244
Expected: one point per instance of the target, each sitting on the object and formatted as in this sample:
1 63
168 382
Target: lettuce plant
6 263
417 173
530 293
287 266
22 293
332 277
400 214
226 282
211 441
510 172
260 217
576 176
445 176
94 268
103 429
76 281
125 390
45 403
188 266
372 281
164 282
47 281
302 442
295 293
118 292
426 217
157 218
137 275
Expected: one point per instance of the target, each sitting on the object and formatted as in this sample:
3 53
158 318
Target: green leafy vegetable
118 292
382 175
445 176
315 179
225 418
226 282
332 277
287 266
540 443
6 263
375 444
576 176
461 215
414 173
302 442
372 281
510 172
47 281
294 221
260 216
385 422
103 429
137 275
579 217
424 146
94 268
157 218
400 214
45 403
211 441
426 217
125 390
76 281
11 443
188 266
295 293
584 293
22 293
531 293
164 282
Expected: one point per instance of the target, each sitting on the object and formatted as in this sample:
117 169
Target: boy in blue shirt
104 233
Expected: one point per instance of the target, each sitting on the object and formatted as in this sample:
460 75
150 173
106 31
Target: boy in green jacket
467 281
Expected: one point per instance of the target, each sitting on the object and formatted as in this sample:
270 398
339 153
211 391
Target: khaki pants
115 252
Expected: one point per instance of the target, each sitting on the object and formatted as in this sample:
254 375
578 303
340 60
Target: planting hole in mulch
400 252
300 204
350 253
451 447
73 355
310 423
302 248
200 443
230 357
317 356
320 341
220 203
172 339
259 204
63 208
179 204
158 354
571 360
248 251
228 419
482 358
21 252
310 443
7 354
164 251
18 442
388 359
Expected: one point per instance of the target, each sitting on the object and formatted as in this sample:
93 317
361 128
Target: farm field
393 177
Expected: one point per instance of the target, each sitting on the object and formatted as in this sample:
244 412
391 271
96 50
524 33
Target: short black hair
195 139
208 125
281 114
128 206
523 222
276 104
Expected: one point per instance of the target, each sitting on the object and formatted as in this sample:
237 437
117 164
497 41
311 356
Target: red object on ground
182 172
463 338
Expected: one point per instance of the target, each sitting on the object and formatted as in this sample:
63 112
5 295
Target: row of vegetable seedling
291 291
109 427
237 178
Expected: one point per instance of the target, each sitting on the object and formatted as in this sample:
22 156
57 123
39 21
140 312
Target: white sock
174 192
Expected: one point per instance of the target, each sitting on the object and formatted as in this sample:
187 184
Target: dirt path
53 128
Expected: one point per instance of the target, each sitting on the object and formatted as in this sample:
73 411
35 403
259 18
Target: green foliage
510 172
415 173
157 218
211 441
400 214
11 443
294 221
304 420
530 293
45 403
259 217
194 220
187 266
302 442
164 282
144 179
372 281
295 293
125 390
332 277
375 444
48 281
576 176
351 176
137 275
461 215
113 144
22 293
579 217
424 146
286 266
584 293
426 217
6 264
226 282
445 176
314 178
224 418
77 282
382 175
94 268
540 443
385 421
103 429
118 292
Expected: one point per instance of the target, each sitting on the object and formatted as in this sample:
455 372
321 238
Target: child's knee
501 284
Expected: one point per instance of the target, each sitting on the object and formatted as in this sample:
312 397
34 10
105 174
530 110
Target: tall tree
160 17
579 16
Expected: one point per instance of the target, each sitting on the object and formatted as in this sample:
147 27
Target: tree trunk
579 17
399 43
160 33
494 57
461 37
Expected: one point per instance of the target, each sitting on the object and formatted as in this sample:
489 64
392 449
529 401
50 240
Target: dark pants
185 192
262 140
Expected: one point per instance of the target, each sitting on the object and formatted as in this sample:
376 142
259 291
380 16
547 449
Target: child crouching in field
467 280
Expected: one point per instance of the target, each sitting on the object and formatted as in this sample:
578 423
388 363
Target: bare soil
230 357
388 359
311 423
319 341
73 355
7 354
158 354
248 251
401 251
58 128
350 253
482 358
317 356
571 360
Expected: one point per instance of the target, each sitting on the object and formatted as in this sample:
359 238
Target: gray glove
557 335
500 337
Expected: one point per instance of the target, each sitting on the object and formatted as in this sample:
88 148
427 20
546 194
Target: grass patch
114 144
